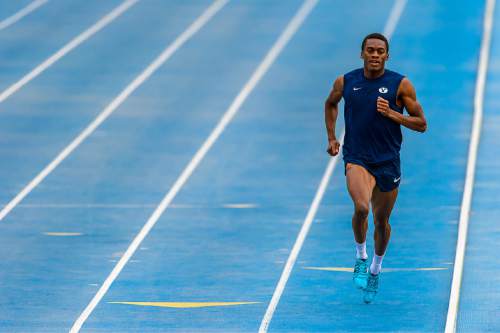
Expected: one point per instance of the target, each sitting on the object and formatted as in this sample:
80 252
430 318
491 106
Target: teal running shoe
371 288
360 273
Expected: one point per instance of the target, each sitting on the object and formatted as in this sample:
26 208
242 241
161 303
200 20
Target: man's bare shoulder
338 85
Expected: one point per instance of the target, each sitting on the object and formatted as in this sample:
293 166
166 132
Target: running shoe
360 273
371 288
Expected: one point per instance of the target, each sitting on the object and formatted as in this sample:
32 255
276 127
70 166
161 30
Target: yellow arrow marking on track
350 269
184 304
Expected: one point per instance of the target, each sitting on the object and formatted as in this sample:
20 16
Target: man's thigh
360 183
383 203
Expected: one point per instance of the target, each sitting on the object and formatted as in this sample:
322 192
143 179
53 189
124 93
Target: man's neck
373 74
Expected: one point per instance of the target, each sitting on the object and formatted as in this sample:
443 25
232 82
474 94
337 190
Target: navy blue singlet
369 136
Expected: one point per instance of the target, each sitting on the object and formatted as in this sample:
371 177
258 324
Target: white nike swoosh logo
397 179
356 88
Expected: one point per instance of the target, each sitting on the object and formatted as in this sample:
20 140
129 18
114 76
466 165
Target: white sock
361 250
376 265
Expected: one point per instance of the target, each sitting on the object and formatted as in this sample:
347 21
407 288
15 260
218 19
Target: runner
374 101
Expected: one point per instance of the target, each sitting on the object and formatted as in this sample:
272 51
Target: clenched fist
333 147
383 106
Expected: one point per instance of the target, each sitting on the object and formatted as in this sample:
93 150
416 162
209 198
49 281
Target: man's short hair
375 35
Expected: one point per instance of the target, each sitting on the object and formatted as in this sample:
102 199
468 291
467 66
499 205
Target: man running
374 100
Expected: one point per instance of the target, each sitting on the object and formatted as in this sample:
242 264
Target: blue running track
214 258
480 297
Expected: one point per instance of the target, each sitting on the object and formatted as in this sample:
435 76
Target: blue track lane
37 36
132 160
480 294
40 120
91 78
9 8
424 222
271 157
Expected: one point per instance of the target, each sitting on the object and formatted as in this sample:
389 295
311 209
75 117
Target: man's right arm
331 113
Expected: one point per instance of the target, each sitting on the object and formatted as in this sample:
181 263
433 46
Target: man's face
374 54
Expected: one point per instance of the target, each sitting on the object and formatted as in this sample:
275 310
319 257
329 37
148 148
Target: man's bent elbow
329 104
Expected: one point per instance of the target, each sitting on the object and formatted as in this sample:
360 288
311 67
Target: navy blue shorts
387 174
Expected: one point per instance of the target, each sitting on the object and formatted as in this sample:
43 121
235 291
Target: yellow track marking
240 205
350 269
63 234
184 304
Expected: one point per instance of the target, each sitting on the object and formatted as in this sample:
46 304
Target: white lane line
392 21
280 287
263 67
451 318
110 17
136 83
390 26
22 13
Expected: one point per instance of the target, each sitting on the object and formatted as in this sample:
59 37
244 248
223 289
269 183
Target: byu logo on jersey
383 90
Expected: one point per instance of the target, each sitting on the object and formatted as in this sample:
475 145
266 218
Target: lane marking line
280 287
110 17
394 16
136 83
62 234
185 305
385 270
240 205
130 205
82 205
390 26
451 318
21 13
263 67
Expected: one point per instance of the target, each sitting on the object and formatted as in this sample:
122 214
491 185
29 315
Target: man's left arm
406 94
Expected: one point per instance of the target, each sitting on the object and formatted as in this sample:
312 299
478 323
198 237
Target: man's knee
381 222
361 210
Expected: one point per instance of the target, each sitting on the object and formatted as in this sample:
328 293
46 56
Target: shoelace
372 284
357 267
